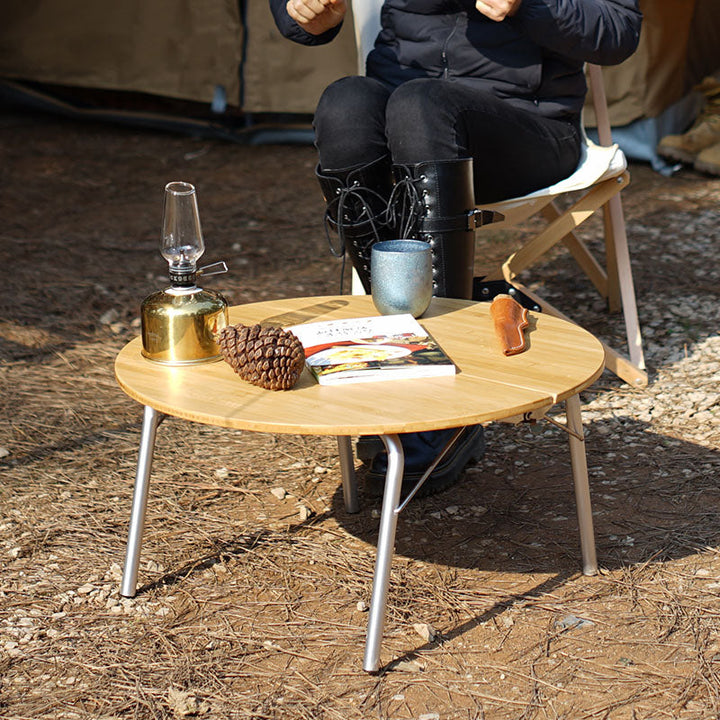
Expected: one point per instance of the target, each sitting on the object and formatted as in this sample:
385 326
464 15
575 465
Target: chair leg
583 257
151 419
614 299
385 550
347 468
620 277
582 487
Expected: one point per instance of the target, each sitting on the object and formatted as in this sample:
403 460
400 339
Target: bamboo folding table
561 360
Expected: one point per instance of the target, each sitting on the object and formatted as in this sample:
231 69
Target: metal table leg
385 550
151 419
347 468
582 487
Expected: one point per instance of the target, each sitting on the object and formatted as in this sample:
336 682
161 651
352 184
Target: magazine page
383 347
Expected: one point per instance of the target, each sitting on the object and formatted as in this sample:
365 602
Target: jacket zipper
445 64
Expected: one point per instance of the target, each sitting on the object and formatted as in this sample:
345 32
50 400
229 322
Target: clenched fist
498 9
316 16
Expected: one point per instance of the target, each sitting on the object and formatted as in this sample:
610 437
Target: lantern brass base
180 326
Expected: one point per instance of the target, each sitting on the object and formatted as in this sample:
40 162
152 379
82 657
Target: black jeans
359 120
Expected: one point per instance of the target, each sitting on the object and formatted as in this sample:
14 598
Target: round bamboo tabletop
561 360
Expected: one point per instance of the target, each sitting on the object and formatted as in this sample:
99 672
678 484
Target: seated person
463 103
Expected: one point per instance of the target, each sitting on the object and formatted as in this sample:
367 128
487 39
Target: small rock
85 589
4 452
429 716
425 631
572 622
304 512
279 493
109 317
184 703
362 606
222 473
408 666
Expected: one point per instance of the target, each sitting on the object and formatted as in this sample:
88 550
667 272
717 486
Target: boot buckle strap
477 218
470 220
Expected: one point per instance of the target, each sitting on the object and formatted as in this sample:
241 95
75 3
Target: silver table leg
151 419
385 550
347 468
582 487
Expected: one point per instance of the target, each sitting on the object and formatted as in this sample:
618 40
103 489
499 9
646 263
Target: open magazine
386 347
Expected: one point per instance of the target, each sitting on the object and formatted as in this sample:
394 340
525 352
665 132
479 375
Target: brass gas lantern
180 323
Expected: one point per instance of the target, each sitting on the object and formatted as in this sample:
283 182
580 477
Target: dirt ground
248 611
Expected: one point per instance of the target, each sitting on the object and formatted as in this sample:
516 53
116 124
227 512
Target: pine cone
270 357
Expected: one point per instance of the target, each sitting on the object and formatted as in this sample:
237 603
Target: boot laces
406 207
353 202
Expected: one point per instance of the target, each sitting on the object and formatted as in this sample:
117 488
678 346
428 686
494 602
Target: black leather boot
357 211
435 202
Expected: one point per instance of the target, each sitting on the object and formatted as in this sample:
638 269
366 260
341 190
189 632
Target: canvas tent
228 56
224 55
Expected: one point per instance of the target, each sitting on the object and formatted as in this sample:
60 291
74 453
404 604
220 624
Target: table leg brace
385 550
151 419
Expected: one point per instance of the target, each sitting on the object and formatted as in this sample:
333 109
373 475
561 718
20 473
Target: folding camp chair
596 184
598 180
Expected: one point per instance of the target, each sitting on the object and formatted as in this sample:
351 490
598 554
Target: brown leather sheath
510 319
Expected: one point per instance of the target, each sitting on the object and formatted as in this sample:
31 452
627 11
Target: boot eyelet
423 178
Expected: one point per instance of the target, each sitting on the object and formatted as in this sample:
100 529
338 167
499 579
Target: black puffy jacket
533 60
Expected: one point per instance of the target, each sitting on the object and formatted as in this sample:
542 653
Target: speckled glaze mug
401 276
